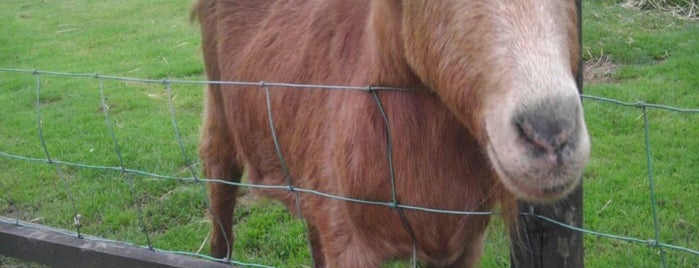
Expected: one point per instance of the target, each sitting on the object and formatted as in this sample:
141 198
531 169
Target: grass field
632 55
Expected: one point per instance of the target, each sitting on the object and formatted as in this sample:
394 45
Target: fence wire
129 173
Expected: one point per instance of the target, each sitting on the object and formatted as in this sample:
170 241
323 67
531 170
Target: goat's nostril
547 132
533 137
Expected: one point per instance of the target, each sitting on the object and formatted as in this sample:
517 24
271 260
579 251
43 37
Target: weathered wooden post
544 244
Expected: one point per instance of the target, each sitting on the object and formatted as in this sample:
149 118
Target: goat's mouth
538 183
539 154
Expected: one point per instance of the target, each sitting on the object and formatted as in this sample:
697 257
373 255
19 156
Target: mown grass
654 58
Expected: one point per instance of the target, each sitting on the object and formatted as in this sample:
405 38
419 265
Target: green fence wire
128 173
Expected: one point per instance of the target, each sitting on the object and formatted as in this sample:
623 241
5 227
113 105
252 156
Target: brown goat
493 115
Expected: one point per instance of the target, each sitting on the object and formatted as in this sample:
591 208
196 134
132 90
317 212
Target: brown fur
334 141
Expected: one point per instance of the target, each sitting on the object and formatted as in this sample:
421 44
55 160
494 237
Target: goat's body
334 141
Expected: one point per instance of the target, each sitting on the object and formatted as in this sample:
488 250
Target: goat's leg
222 199
316 246
220 162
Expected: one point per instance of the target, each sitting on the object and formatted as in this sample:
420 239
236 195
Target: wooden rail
41 245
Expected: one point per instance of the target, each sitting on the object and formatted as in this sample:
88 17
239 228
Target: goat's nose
549 127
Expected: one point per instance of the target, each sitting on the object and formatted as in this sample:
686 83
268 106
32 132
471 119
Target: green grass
656 59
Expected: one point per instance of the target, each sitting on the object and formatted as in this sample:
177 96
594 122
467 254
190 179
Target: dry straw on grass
688 9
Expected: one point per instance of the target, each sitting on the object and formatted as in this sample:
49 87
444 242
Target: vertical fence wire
190 165
178 135
392 173
285 169
77 218
127 175
649 165
194 173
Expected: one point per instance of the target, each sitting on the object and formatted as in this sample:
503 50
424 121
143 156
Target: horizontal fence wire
202 82
266 85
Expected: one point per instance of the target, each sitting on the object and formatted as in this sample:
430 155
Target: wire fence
192 173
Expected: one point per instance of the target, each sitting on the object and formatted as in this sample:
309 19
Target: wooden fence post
544 244
547 245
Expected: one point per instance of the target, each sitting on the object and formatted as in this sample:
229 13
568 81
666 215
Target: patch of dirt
598 71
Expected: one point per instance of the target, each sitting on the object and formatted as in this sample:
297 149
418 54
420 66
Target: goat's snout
542 151
548 129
